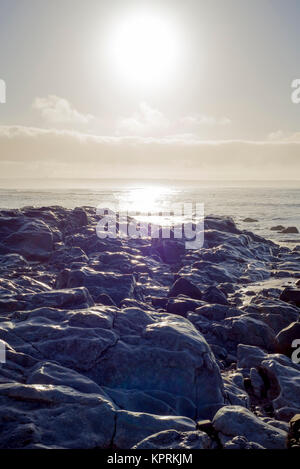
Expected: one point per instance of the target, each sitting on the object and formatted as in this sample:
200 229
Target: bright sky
161 88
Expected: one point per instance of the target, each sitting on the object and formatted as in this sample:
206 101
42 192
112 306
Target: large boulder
231 421
161 355
215 296
291 295
183 286
182 305
286 337
284 377
32 240
47 416
132 427
173 439
117 286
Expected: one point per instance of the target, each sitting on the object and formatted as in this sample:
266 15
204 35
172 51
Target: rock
240 442
95 341
172 439
294 432
182 305
64 299
291 294
215 296
290 229
245 330
184 364
12 261
231 421
286 337
277 228
133 427
250 220
111 341
183 286
54 417
170 250
33 240
159 302
257 383
117 286
284 381
249 356
65 257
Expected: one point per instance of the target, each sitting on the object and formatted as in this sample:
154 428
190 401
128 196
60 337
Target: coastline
134 342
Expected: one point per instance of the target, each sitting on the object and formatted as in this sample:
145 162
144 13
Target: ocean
270 203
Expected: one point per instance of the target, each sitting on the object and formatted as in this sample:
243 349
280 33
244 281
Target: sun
144 49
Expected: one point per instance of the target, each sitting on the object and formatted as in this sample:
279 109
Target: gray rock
172 439
54 416
182 286
132 427
286 337
117 286
231 421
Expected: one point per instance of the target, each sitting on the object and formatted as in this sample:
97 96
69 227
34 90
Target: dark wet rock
159 302
286 337
214 295
172 439
250 220
290 229
182 305
182 286
217 312
277 228
291 295
169 250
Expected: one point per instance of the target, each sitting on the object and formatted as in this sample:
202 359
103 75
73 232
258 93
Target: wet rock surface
121 343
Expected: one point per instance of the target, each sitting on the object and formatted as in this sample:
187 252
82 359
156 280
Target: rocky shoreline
140 343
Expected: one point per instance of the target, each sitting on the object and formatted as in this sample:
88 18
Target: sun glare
144 49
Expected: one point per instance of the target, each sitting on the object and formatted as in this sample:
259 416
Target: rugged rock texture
233 420
120 343
172 439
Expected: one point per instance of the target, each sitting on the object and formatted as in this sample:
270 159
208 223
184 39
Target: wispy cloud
148 121
55 110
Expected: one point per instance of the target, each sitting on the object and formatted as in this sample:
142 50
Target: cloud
198 120
30 152
284 136
56 110
148 121
145 122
